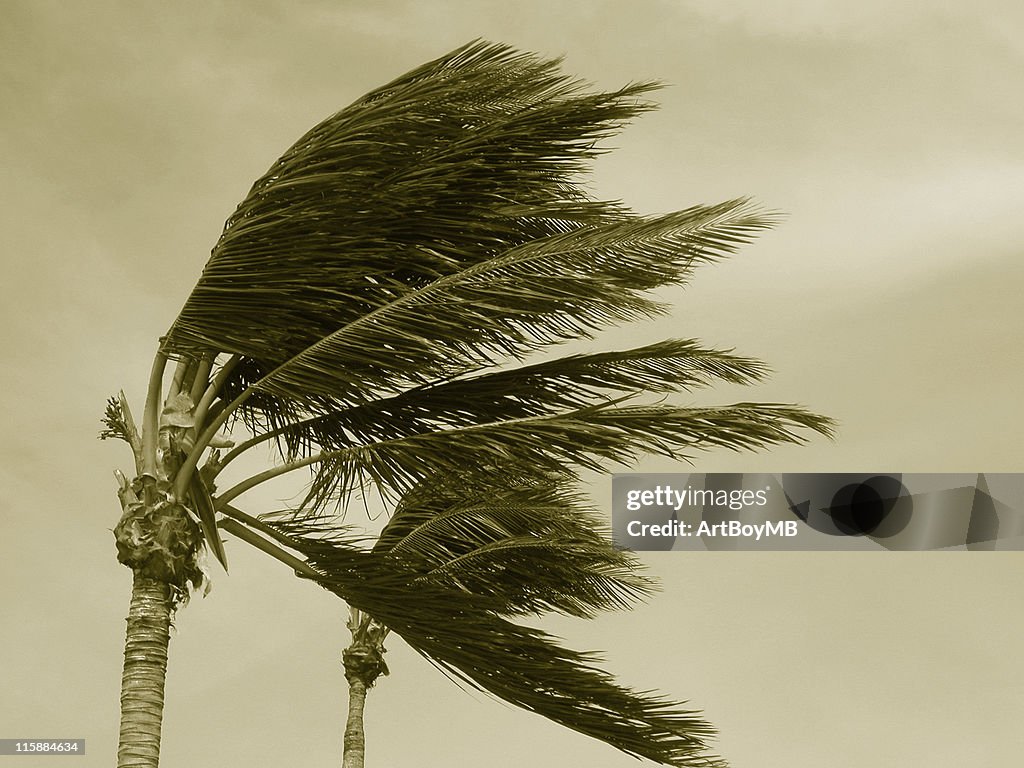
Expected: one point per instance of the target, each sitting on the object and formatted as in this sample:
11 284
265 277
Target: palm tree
370 309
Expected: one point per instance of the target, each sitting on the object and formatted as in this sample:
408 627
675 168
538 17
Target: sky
890 135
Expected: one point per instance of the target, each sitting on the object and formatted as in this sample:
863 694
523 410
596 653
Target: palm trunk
355 742
364 663
145 667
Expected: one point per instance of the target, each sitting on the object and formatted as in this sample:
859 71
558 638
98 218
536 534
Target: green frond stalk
182 371
150 420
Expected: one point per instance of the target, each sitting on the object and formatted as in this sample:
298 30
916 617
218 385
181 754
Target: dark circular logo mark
865 508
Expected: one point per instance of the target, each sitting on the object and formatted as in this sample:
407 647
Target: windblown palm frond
445 167
434 223
533 546
547 290
555 444
571 382
464 634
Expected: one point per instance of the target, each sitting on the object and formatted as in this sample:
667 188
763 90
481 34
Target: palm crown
371 307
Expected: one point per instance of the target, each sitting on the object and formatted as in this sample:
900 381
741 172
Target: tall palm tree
370 309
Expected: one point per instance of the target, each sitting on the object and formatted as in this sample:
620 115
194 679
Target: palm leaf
391 232
204 507
445 167
547 290
463 634
533 546
571 382
554 444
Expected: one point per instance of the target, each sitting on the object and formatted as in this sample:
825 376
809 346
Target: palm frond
205 510
435 225
532 574
534 547
445 167
461 633
452 510
545 291
557 444
571 382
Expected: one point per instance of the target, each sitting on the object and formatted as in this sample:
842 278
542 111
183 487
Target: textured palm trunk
145 668
355 740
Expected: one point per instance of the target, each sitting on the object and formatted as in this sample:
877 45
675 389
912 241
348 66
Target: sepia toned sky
891 135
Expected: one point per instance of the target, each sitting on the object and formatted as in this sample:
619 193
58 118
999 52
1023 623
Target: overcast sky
892 136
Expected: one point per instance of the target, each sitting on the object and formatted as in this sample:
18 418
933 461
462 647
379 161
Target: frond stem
203 407
301 567
181 371
252 442
151 418
192 460
270 474
254 522
201 378
133 432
